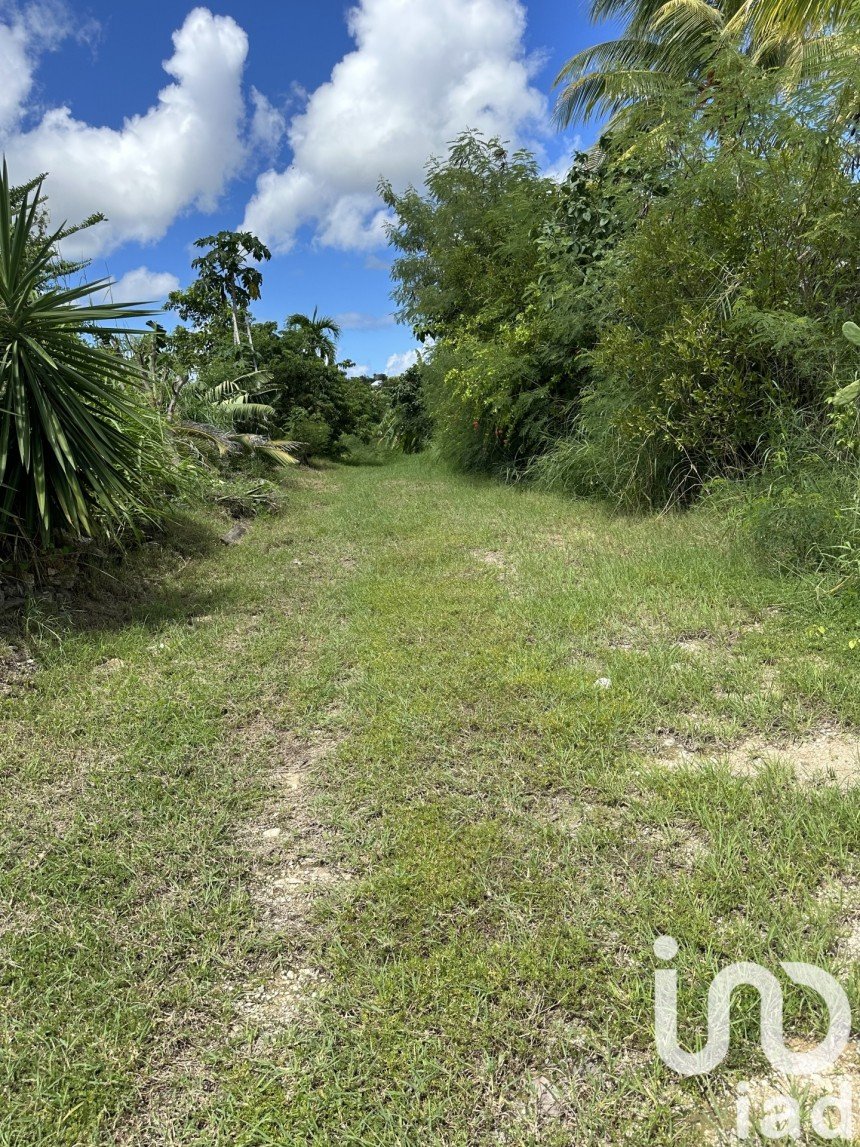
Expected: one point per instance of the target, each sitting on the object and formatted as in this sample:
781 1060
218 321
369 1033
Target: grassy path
335 838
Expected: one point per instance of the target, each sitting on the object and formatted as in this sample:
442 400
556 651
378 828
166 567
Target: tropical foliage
99 421
675 52
80 453
671 315
257 379
406 423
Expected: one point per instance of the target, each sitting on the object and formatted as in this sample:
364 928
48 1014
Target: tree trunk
176 388
237 342
251 342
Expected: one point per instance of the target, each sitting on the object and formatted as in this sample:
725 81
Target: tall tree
319 334
225 273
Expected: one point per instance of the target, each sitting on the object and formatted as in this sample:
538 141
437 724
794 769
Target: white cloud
176 155
144 286
357 321
268 125
138 286
359 372
423 71
26 32
17 72
399 363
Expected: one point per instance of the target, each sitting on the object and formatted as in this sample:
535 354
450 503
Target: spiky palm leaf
74 440
798 18
672 45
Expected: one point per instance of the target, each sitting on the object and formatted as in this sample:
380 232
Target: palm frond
798 18
280 455
242 406
75 441
281 452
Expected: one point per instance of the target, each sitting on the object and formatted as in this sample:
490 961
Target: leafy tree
465 250
726 300
211 321
466 258
226 283
497 264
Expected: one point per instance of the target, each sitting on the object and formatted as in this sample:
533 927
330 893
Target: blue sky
278 116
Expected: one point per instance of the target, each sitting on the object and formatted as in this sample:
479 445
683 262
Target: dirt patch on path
291 868
826 756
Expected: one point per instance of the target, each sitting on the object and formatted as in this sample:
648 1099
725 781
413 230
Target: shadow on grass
147 584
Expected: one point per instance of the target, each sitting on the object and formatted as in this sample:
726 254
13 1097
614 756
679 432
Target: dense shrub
406 422
801 511
728 301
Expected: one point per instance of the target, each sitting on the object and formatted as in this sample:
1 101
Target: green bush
488 407
468 257
311 430
406 422
801 511
725 302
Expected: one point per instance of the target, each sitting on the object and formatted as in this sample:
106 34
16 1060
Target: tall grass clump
800 512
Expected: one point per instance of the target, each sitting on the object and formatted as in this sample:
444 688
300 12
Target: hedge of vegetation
667 322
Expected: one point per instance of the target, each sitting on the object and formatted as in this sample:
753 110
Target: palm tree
670 48
319 334
802 17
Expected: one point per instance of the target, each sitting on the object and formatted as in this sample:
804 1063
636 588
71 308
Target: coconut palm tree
670 50
802 17
319 334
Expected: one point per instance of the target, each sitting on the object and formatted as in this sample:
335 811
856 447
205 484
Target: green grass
513 847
